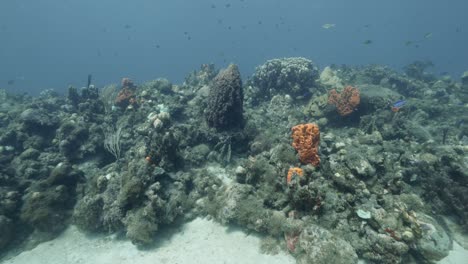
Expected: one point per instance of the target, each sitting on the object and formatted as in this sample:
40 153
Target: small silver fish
328 26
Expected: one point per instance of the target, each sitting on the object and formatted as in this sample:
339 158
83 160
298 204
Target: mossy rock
141 226
87 214
64 174
47 211
375 97
6 231
132 192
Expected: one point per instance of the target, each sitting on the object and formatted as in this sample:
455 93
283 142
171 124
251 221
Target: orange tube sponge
292 171
346 101
306 139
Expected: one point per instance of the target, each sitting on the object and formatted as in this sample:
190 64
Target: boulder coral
306 139
295 76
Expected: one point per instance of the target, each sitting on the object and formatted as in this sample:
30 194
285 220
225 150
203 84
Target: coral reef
373 185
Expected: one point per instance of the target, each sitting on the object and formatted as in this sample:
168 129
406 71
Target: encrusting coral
346 101
306 139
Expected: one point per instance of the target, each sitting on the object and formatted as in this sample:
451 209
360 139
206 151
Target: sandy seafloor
199 241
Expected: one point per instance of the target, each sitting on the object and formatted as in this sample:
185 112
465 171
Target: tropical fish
367 42
90 77
397 105
428 35
411 42
11 82
328 26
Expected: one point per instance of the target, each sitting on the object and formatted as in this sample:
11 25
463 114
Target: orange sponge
346 101
292 171
306 139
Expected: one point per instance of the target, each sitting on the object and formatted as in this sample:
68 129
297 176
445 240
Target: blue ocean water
52 44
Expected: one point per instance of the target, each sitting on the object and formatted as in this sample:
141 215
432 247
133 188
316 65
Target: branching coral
306 139
346 101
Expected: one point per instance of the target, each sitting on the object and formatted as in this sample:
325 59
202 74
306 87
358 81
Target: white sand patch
457 232
199 241
458 255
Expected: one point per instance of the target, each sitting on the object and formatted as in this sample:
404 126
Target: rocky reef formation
372 183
